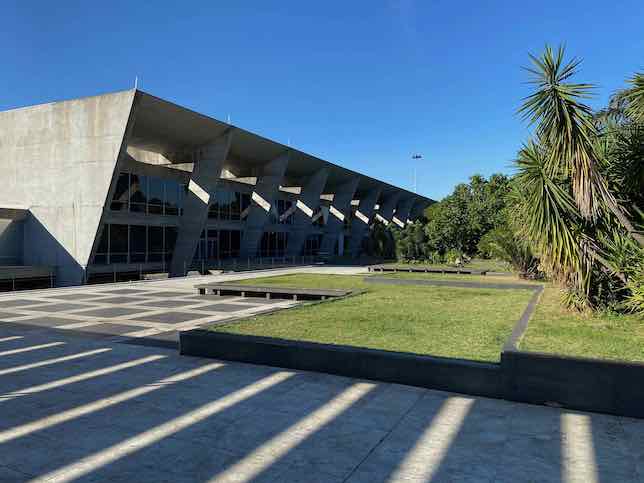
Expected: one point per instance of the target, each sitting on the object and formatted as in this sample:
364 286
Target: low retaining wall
586 384
583 384
415 370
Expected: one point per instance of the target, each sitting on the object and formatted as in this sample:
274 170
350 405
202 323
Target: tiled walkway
149 313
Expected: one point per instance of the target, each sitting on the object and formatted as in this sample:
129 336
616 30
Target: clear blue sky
361 83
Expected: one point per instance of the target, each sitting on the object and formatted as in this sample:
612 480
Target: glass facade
148 195
228 205
273 244
218 244
280 207
312 245
135 244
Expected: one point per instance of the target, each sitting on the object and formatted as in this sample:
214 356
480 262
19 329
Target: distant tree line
574 210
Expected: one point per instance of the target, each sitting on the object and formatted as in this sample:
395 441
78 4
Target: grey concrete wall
11 242
57 160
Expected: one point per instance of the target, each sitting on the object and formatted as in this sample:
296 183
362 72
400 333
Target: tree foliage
579 186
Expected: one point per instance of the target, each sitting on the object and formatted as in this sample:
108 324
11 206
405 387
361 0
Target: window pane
171 197
138 193
118 243
121 193
138 243
155 201
101 250
155 243
212 247
235 206
170 238
224 204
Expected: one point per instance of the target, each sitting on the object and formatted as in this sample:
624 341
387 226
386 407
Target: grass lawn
554 329
449 322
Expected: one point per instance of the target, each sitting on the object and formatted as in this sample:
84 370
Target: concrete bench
459 271
270 291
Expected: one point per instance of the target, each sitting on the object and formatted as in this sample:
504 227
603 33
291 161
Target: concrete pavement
78 409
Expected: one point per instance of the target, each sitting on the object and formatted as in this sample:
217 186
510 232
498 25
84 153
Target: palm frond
635 97
565 124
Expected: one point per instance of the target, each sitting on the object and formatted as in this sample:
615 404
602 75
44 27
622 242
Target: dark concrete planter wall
415 370
584 384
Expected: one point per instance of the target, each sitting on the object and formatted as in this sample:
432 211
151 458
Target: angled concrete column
403 211
386 210
307 203
203 183
339 210
361 221
261 203
417 210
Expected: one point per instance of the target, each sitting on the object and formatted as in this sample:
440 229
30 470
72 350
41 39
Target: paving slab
77 296
5 304
124 299
170 317
58 307
112 329
47 321
109 312
166 304
228 308
124 291
167 294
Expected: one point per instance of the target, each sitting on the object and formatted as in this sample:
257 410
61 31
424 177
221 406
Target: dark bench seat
270 291
393 268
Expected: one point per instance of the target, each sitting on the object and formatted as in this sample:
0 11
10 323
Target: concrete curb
582 384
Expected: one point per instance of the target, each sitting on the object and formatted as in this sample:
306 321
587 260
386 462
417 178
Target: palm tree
566 130
635 97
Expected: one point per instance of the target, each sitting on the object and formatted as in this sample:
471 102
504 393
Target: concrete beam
403 211
386 211
361 221
262 201
339 210
306 204
202 186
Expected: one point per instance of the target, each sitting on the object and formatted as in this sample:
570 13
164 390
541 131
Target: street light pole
415 157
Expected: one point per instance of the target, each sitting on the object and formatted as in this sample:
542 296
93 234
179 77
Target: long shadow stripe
48 362
81 377
104 403
276 448
142 440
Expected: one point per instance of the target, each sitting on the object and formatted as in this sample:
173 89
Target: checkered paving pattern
143 314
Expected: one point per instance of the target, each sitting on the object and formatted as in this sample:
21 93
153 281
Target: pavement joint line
48 362
31 348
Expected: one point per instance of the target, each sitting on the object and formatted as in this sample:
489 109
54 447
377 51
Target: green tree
579 185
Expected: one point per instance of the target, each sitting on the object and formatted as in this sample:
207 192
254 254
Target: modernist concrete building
128 182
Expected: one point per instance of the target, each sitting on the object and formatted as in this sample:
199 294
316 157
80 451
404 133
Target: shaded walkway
93 410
